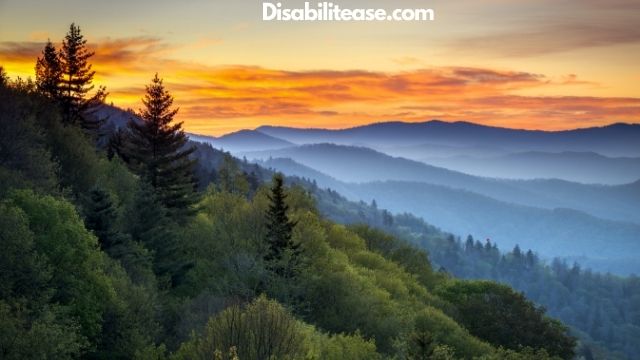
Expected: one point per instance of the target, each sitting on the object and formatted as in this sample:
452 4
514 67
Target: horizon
416 123
228 70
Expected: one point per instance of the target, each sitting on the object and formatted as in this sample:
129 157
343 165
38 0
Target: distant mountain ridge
584 167
363 165
618 139
242 141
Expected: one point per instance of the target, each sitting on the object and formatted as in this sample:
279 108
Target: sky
534 64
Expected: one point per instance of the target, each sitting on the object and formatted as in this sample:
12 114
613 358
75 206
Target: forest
602 310
131 243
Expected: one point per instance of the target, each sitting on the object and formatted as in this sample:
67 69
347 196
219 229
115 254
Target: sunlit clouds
220 99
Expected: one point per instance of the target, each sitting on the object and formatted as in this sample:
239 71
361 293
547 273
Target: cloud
570 25
216 99
20 51
552 38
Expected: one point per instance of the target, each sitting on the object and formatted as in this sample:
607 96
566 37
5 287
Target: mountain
559 232
612 140
288 166
114 117
242 141
551 232
428 150
362 165
561 286
585 167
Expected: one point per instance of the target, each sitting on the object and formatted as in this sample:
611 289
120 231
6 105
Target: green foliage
29 334
61 295
591 304
282 254
130 322
155 150
230 178
71 251
29 325
149 224
80 167
341 346
265 330
25 160
502 317
262 330
101 217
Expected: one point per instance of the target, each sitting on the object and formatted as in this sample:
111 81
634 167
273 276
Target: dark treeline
135 243
602 309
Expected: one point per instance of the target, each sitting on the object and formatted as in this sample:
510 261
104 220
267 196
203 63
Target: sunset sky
537 64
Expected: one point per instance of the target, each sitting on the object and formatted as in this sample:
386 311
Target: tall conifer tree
76 83
49 72
4 79
282 250
156 150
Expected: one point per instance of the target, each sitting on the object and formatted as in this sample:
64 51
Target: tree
4 79
100 218
497 314
156 150
25 159
279 227
77 280
149 224
49 72
77 77
230 178
262 330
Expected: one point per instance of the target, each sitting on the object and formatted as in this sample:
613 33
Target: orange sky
528 64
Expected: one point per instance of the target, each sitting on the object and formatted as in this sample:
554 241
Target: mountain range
362 165
614 140
573 194
585 167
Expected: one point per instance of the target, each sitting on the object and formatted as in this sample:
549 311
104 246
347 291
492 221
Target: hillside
361 165
555 232
562 288
102 261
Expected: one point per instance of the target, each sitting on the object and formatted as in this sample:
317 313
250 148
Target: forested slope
130 250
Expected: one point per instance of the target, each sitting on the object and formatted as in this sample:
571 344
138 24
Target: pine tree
100 217
155 150
77 77
49 72
4 79
279 229
149 224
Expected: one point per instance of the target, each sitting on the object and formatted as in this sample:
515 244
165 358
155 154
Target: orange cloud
215 100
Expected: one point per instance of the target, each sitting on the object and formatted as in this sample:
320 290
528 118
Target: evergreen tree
279 228
4 79
149 224
156 150
49 72
77 77
230 178
517 253
100 217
